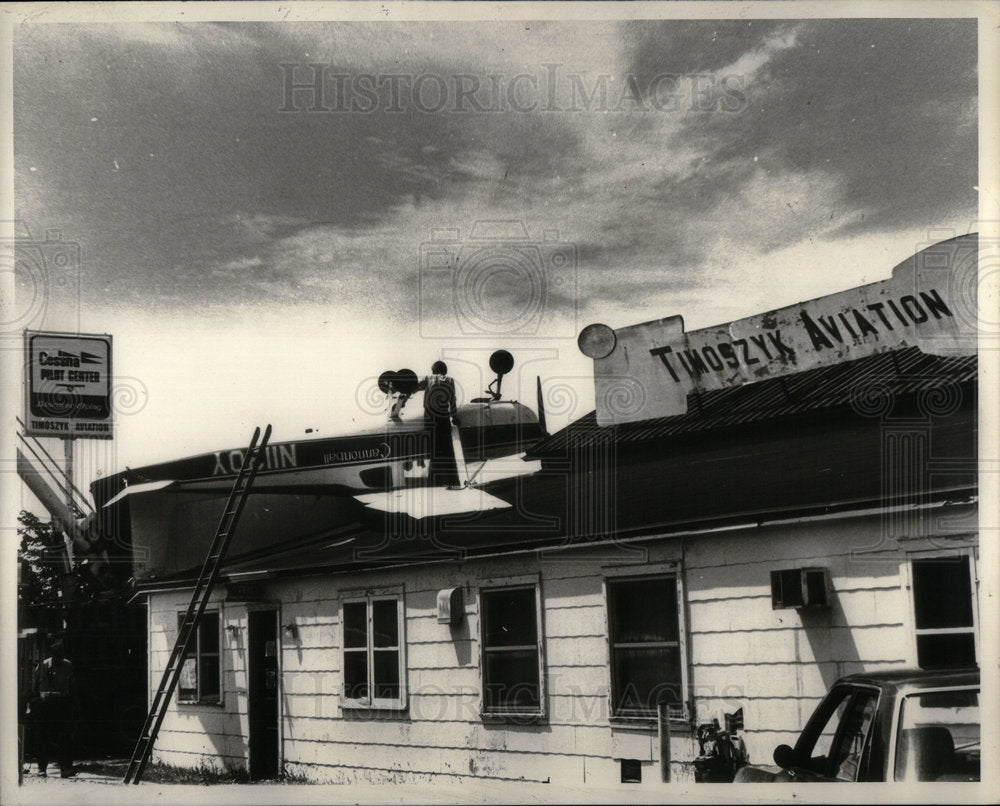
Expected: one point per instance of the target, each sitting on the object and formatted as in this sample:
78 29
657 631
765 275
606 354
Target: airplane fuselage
396 455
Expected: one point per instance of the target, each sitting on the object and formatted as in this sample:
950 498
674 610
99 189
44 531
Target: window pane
384 626
210 677
823 738
356 675
850 742
387 674
644 676
946 651
939 737
509 617
511 681
356 624
644 610
942 593
208 631
187 686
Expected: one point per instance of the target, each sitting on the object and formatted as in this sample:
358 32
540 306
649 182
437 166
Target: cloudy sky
261 252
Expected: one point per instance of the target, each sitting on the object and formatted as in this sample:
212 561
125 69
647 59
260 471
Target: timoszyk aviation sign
68 388
647 371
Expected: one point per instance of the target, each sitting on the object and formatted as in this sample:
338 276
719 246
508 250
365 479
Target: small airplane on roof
167 511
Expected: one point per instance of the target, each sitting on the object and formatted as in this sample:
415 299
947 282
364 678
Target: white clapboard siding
740 653
201 742
533 765
307 683
855 608
440 655
318 659
569 680
427 630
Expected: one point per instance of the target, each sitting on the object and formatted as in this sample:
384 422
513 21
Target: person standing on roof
439 410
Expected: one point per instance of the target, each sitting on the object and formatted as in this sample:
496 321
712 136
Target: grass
166 774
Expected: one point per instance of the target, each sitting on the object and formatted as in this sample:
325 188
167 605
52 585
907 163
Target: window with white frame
943 611
645 642
374 668
201 672
512 657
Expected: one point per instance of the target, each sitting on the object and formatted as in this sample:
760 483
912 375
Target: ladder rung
199 598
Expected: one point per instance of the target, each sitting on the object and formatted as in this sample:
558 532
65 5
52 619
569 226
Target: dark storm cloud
167 148
164 150
888 107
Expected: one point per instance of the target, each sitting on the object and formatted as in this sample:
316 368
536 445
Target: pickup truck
914 725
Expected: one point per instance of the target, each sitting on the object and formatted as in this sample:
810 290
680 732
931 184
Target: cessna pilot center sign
68 385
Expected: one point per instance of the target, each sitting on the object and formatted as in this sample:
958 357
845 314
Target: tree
40 554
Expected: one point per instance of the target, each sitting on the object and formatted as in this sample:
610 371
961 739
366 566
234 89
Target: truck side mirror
785 757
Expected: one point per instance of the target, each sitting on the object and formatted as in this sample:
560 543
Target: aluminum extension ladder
252 460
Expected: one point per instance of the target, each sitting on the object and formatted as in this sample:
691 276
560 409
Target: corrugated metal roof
866 385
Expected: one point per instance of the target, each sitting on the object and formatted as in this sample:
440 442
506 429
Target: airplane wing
503 467
134 489
423 502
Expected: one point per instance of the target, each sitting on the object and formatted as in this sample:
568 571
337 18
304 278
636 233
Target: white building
740 556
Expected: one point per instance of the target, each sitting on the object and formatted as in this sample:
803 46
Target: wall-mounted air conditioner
800 587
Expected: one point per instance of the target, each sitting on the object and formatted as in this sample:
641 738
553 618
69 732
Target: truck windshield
836 746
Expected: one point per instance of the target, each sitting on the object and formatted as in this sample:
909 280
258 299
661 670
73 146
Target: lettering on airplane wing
929 302
338 451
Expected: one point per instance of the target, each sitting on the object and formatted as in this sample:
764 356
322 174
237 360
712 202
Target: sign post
68 454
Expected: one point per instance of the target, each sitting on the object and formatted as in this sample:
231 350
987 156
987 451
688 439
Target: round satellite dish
501 362
597 341
384 380
405 381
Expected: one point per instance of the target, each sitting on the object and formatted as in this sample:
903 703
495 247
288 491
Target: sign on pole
648 370
68 385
